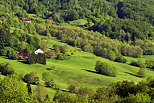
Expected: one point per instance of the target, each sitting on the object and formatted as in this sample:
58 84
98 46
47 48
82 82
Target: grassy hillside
79 68
143 58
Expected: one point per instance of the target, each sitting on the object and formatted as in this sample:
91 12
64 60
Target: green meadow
79 68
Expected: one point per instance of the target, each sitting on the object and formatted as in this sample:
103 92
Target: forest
118 31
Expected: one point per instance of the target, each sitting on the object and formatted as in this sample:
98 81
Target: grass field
143 58
79 68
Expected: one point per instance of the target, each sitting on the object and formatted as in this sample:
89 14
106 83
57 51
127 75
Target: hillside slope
79 68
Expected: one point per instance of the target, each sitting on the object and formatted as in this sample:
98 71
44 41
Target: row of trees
124 30
120 92
13 89
109 70
39 58
79 9
58 52
94 42
141 64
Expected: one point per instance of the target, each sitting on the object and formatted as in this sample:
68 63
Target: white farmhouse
38 51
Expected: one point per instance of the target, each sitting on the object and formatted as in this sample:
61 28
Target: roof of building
39 51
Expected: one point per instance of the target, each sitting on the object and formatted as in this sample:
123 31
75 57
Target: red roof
51 20
25 19
23 54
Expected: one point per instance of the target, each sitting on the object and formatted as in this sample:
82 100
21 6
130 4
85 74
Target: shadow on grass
23 61
133 74
91 71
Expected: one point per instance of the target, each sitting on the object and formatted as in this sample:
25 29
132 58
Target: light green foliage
48 78
111 55
6 69
121 59
139 63
31 78
138 98
65 98
149 64
141 72
41 94
80 22
13 90
12 54
105 69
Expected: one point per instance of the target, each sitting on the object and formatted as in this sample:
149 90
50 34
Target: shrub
62 56
6 69
121 59
39 58
4 51
48 78
141 72
11 54
138 64
124 88
150 64
31 78
50 54
105 69
13 90
65 98
41 95
138 98
31 59
111 55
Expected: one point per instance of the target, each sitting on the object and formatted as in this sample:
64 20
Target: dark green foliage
31 78
141 72
149 64
111 55
138 98
65 98
125 88
124 30
136 10
13 90
39 58
11 54
107 95
31 58
120 92
29 88
94 42
4 51
121 59
138 64
5 37
48 78
62 56
105 69
40 95
88 48
6 69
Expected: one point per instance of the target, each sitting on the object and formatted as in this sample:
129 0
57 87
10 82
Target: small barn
26 20
23 54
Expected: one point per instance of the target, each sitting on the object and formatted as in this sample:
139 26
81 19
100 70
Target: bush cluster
31 78
39 58
6 69
105 69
